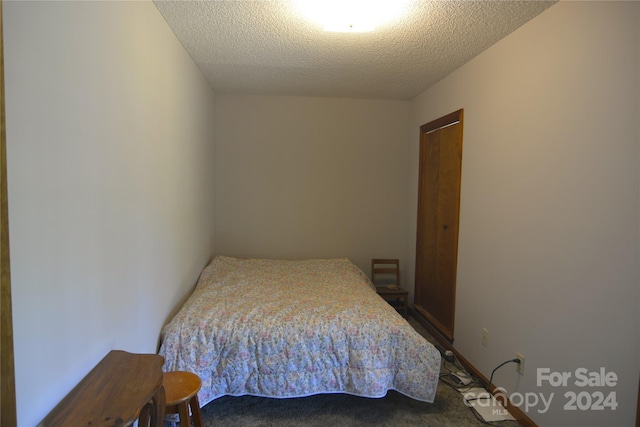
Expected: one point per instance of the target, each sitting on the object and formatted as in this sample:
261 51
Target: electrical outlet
520 366
485 337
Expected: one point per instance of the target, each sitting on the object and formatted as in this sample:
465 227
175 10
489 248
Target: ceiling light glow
351 15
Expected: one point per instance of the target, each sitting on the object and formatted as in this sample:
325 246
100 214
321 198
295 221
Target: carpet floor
323 410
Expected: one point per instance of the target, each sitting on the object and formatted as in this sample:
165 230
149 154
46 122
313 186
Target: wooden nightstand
395 296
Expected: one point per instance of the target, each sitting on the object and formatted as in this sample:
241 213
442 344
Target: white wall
548 247
311 177
110 170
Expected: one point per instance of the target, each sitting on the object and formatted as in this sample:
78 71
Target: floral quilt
283 328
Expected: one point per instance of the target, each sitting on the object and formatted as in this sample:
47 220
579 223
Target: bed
284 328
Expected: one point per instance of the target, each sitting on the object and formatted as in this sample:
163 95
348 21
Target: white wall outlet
485 337
520 366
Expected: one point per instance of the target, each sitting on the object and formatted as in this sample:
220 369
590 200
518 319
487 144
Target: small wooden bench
119 389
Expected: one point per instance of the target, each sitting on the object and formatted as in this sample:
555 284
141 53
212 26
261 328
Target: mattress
289 328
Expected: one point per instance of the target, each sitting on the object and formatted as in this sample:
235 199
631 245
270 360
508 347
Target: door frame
7 372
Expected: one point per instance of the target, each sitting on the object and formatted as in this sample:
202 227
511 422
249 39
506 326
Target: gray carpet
341 410
324 410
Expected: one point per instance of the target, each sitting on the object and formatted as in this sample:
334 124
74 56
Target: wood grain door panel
427 245
438 218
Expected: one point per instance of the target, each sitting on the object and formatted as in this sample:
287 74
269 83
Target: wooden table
114 393
395 296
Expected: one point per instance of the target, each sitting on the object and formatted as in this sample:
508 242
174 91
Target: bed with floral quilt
293 328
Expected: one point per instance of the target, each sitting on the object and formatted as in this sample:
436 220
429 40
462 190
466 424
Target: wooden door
438 213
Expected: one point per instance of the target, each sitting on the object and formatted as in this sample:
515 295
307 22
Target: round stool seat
181 393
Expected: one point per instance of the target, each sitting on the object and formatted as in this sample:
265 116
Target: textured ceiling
264 47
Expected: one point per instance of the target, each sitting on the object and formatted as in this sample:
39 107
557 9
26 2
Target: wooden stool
181 390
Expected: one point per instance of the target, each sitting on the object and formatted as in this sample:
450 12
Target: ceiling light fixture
351 16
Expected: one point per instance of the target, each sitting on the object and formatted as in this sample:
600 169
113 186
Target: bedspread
281 328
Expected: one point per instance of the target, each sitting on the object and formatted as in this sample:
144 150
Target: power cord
444 379
489 388
499 366
451 377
